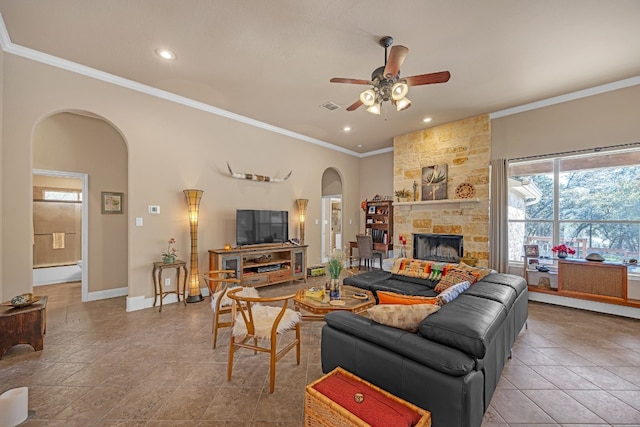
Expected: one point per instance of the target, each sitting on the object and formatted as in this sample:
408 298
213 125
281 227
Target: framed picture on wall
531 251
112 203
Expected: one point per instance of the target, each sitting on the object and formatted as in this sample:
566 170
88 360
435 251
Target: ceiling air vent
331 106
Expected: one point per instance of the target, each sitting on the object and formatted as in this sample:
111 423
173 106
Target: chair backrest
253 313
218 280
365 245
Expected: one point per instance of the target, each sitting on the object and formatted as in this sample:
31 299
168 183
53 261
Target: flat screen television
254 227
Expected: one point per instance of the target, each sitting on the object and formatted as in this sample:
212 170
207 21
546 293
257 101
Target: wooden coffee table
318 309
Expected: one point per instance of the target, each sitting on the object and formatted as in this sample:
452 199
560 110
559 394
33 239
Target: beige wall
2 223
596 121
376 177
74 143
171 147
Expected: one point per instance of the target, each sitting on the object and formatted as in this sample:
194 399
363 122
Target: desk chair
366 251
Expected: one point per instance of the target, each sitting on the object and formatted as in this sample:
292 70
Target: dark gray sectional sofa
452 365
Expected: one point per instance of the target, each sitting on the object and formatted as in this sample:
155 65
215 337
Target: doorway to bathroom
60 228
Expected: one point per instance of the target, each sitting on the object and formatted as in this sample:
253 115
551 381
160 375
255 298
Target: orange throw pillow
385 297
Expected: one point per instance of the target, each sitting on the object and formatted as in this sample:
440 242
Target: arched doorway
331 212
87 147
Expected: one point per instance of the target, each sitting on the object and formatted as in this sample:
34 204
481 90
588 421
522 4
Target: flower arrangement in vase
563 250
169 256
403 249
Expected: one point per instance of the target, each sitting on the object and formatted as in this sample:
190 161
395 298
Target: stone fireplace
438 247
465 147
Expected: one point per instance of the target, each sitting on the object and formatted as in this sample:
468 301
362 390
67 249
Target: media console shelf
264 264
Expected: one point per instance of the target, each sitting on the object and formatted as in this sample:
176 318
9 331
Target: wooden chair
218 282
366 251
253 321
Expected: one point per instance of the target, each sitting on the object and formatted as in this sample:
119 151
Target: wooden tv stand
262 265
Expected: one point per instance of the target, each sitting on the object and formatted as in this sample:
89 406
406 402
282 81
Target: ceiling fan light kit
386 82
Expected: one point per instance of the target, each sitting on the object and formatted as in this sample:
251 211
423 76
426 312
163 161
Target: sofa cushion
367 279
432 354
385 297
468 324
424 282
454 276
402 287
503 294
516 282
452 292
402 316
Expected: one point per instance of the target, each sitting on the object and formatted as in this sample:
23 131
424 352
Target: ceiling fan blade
352 81
395 60
354 106
428 79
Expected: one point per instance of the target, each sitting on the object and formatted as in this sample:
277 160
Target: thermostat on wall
154 210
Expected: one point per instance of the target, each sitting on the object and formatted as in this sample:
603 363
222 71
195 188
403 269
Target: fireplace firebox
438 247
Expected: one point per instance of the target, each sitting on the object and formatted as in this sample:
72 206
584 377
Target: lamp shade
302 211
374 109
399 90
403 104
193 204
368 97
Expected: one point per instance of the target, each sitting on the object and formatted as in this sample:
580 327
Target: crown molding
621 84
9 47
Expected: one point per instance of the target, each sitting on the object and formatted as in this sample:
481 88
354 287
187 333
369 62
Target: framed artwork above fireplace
434 182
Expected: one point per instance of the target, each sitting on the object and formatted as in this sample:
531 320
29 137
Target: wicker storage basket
320 411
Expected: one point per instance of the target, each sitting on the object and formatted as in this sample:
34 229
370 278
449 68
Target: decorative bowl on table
594 257
23 300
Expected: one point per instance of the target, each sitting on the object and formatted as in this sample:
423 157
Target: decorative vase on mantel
168 259
562 254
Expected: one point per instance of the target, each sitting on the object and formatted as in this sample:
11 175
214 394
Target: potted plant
334 267
402 194
169 256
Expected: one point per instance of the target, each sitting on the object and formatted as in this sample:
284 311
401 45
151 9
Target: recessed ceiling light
346 128
426 119
165 53
359 145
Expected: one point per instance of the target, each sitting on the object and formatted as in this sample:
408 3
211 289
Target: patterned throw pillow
385 297
452 292
479 272
454 276
407 317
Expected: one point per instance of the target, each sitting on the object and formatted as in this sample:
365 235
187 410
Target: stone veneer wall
465 146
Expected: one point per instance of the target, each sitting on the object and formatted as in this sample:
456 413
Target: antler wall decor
254 177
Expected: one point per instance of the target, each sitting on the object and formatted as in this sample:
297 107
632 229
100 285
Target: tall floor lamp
193 202
302 211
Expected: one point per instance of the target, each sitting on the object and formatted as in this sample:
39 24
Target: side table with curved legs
158 268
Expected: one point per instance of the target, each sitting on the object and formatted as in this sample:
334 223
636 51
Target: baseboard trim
140 303
107 293
600 307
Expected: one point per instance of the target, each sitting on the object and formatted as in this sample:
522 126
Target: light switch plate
154 210
139 222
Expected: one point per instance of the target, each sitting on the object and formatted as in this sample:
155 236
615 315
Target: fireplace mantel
436 204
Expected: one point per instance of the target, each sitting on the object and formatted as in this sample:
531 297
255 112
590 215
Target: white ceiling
271 61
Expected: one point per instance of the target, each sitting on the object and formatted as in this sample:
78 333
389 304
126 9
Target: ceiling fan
387 83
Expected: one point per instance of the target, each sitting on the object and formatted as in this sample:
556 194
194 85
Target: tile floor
102 366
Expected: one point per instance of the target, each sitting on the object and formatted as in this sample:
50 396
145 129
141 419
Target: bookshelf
379 224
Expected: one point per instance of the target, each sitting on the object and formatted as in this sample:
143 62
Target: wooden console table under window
600 281
25 325
604 282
